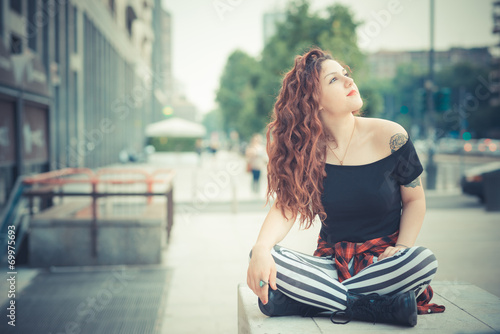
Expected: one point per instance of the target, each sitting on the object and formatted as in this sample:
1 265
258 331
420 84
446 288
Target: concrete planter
58 239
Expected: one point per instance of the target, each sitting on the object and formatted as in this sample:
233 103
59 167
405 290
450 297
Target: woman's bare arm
262 266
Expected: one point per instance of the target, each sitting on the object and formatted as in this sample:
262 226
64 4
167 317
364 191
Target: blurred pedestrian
256 160
234 141
214 143
360 176
199 149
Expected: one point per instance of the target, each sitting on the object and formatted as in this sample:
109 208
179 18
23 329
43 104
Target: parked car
489 146
483 146
472 180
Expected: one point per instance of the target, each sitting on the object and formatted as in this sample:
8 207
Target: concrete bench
469 309
58 238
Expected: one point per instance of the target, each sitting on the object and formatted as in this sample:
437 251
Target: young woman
361 177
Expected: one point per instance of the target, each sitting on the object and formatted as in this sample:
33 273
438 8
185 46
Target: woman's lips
352 92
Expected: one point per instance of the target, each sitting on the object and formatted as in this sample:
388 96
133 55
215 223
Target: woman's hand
261 267
390 251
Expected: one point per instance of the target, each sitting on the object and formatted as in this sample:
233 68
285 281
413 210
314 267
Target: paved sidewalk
93 300
204 181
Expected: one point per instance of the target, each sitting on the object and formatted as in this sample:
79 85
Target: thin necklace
342 161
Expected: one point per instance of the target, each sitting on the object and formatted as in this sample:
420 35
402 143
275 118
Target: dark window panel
16 44
31 24
16 5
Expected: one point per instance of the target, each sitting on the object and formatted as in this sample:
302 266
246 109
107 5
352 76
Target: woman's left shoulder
389 135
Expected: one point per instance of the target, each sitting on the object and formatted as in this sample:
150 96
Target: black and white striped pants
313 280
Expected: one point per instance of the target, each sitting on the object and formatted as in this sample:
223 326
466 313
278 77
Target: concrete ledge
469 309
58 239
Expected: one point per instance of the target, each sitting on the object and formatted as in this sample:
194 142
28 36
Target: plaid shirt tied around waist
363 255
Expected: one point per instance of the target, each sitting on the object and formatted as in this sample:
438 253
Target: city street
132 135
452 166
217 219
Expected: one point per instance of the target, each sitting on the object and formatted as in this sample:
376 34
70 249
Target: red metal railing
44 185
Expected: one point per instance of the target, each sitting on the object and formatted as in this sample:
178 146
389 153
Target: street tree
333 29
236 96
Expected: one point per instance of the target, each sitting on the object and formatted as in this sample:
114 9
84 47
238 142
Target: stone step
469 309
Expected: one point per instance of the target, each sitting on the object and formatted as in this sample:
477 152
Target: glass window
56 35
31 25
75 29
16 45
130 17
111 4
16 5
1 18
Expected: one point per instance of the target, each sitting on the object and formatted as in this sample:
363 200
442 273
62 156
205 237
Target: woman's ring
262 283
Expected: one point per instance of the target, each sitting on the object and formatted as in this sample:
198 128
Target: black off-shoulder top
363 202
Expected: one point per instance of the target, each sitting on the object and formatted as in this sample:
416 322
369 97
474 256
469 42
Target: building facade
384 64
77 83
495 72
162 57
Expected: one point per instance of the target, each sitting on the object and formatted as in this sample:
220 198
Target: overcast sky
205 32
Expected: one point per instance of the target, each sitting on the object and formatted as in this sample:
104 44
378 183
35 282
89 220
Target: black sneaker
398 309
280 304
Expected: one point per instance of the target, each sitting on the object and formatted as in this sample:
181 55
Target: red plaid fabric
363 255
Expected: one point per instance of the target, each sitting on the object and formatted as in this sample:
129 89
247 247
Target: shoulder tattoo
413 184
398 140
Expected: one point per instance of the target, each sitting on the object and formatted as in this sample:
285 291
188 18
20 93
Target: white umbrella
176 127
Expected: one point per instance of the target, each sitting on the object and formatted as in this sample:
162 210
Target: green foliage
398 99
457 104
213 121
248 88
300 31
469 103
235 95
341 40
164 144
372 95
406 92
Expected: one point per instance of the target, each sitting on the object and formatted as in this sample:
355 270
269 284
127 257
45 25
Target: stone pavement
469 309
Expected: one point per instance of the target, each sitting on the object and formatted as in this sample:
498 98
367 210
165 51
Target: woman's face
339 93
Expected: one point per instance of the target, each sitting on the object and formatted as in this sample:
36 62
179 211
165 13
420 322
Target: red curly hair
297 152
